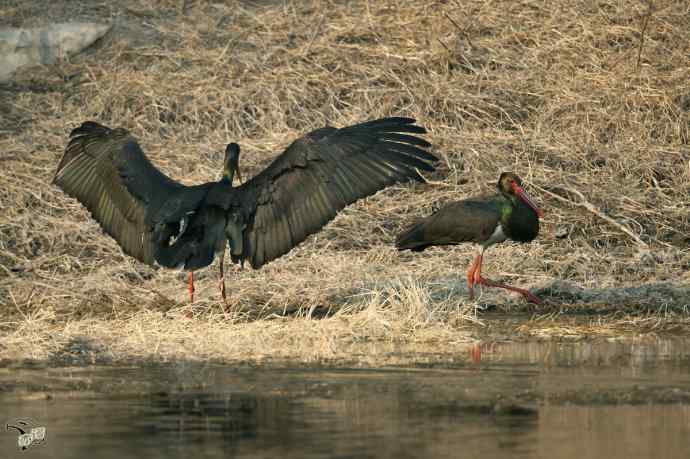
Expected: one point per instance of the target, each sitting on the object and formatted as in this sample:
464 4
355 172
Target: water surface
517 400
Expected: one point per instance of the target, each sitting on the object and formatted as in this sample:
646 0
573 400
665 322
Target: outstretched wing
106 170
321 173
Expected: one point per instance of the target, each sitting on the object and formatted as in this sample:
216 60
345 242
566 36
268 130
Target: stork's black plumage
509 214
156 219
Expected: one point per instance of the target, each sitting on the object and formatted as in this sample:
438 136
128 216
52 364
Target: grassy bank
588 102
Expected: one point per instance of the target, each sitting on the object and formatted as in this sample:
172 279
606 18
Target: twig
444 45
645 22
317 31
462 32
593 209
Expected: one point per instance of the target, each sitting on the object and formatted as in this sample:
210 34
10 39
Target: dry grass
560 92
389 326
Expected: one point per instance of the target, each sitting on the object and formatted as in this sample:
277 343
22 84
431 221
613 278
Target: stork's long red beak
522 194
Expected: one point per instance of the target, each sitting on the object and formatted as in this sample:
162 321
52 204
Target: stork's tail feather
412 238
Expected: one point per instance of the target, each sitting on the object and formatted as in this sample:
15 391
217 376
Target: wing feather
320 174
106 170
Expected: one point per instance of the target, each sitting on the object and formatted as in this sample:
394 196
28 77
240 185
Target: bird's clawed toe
525 293
531 297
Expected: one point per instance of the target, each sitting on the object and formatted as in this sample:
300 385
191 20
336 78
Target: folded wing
455 223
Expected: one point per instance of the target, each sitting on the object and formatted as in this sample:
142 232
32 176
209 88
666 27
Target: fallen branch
645 22
593 209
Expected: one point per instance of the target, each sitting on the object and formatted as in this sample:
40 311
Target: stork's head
232 162
511 186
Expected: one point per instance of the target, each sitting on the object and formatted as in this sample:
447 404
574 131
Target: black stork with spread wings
158 220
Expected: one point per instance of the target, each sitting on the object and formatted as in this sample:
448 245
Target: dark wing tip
75 147
396 135
377 127
390 121
90 128
427 168
407 148
399 138
400 119
393 124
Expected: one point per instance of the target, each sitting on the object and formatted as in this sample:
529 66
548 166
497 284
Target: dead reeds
561 92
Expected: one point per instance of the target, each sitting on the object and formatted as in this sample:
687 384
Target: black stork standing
158 220
509 214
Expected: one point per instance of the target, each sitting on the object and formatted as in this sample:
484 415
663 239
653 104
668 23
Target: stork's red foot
526 293
226 306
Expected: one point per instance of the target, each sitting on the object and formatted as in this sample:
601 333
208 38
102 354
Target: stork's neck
510 198
228 174
520 222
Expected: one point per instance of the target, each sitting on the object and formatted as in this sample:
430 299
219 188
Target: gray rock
45 45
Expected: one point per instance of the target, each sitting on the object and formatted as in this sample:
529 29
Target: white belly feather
497 236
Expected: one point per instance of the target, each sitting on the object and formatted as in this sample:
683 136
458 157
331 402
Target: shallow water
531 400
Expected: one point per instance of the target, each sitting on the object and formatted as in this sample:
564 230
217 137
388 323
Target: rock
45 45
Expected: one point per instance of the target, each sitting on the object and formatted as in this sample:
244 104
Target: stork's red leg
477 275
478 279
471 277
222 287
191 286
221 280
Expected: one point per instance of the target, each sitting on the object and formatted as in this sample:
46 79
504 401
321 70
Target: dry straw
588 102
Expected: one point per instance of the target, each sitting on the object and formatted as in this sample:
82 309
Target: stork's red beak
522 194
